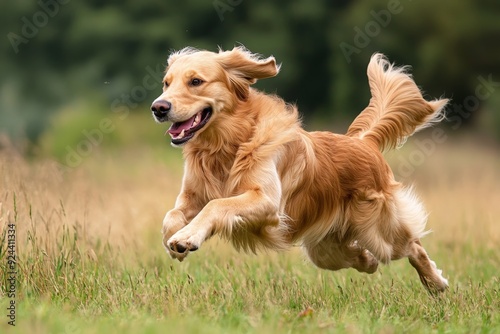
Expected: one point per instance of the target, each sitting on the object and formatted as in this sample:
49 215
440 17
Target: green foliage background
92 52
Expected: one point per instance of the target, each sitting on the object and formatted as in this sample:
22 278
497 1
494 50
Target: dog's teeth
181 135
196 120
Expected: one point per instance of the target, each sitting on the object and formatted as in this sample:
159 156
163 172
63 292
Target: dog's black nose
161 108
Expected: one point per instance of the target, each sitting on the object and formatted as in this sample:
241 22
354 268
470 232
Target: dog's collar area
181 132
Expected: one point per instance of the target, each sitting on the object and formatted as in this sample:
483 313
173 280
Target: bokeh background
66 64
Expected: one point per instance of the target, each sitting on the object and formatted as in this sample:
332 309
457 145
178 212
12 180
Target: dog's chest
217 175
212 180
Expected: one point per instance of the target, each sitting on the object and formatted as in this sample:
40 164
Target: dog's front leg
252 210
177 218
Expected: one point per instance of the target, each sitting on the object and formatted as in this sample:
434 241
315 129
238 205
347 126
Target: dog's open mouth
181 132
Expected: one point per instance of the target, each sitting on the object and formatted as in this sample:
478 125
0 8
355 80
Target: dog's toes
180 245
183 248
175 246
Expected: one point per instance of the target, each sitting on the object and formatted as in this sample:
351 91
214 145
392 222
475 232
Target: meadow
90 258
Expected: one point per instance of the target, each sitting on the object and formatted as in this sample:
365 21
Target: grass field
90 258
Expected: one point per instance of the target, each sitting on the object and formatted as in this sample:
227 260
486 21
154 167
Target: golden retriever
255 177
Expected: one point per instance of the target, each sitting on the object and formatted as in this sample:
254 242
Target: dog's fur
255 177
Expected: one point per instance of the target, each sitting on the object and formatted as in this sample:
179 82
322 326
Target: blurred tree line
58 52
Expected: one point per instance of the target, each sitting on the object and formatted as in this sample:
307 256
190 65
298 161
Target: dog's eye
196 82
165 84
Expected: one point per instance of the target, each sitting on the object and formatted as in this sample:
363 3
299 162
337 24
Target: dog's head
199 85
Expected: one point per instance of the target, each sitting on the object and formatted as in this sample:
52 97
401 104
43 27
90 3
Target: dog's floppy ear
244 68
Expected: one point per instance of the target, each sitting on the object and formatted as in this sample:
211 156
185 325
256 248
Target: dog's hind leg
406 232
331 255
430 276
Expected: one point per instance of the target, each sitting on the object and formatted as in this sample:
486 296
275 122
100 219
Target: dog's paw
180 245
172 252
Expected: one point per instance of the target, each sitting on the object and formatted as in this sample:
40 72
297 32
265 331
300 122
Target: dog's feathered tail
397 108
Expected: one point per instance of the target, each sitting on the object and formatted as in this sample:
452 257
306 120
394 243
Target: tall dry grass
460 186
106 213
118 199
113 199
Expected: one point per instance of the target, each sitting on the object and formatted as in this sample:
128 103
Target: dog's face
199 85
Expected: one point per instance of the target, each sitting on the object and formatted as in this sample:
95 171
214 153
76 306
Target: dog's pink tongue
176 128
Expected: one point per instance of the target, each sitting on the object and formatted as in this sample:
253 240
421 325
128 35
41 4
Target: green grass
90 260
68 291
